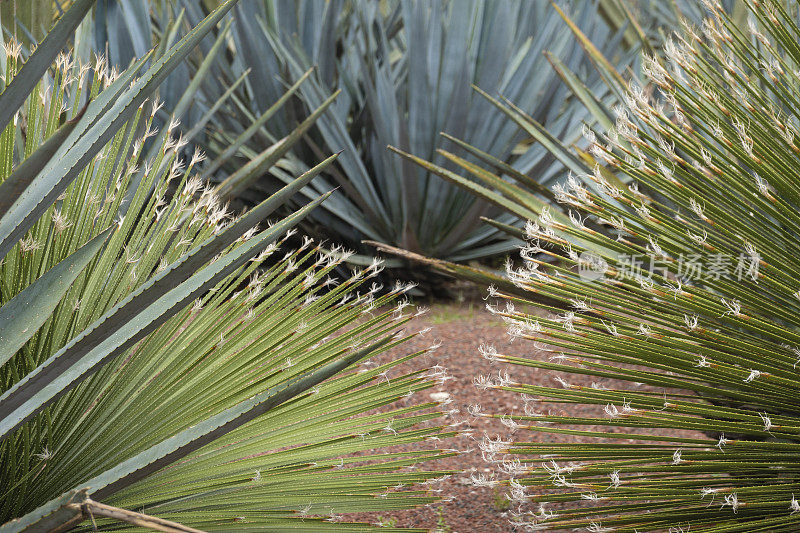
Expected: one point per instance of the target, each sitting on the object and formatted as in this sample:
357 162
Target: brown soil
462 328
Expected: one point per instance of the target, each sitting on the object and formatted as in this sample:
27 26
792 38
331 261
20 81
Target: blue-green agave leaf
24 314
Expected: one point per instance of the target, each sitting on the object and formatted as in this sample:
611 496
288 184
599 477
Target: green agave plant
160 356
684 302
523 195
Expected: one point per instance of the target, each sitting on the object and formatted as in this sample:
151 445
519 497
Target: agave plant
161 356
205 96
390 91
523 195
519 195
685 315
404 77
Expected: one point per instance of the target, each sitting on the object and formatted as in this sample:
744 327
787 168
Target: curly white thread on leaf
474 410
44 455
513 467
734 307
705 491
615 480
612 411
676 457
794 506
482 382
597 527
796 352
611 328
567 320
643 211
510 423
767 421
732 500
563 383
491 447
480 480
754 374
517 492
580 305
561 482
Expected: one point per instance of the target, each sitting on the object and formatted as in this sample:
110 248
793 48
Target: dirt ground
461 329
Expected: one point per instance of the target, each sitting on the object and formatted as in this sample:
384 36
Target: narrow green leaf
584 94
502 166
60 172
487 194
208 115
117 331
538 132
24 314
154 290
506 228
595 54
200 75
255 126
509 190
188 96
240 179
524 211
17 91
196 437
23 175
617 6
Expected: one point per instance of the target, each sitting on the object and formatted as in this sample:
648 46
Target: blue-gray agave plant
164 363
400 73
404 75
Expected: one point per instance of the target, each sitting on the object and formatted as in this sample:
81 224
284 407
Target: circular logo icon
591 266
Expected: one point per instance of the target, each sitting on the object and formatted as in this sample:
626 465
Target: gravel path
461 329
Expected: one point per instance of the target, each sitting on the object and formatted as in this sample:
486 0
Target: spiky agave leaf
697 300
160 412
